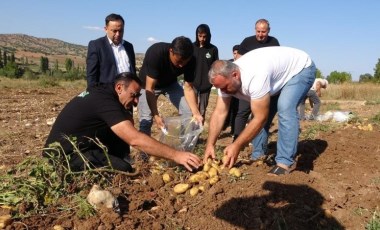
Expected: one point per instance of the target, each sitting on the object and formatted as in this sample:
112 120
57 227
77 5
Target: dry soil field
335 184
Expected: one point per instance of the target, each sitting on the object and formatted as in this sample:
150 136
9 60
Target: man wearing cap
314 94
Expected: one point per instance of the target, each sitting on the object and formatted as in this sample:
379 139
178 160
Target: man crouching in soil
102 114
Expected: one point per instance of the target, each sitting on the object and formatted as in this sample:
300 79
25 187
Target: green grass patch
375 119
374 223
313 130
374 102
42 81
375 181
331 106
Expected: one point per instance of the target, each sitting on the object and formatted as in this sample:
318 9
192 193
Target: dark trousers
203 98
242 115
117 150
96 159
231 116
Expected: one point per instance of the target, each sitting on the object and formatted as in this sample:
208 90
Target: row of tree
13 68
9 68
342 77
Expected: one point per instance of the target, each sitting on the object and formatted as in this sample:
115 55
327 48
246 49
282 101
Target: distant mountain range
32 48
47 46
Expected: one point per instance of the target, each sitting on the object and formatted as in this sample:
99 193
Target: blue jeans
174 93
285 104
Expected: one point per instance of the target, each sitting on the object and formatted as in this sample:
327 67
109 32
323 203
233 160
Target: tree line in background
342 77
23 68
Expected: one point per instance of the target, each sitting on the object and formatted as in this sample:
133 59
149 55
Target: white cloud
93 28
152 40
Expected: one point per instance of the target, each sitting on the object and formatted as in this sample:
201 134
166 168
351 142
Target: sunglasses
136 95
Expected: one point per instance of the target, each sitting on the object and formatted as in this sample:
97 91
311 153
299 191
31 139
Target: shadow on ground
284 207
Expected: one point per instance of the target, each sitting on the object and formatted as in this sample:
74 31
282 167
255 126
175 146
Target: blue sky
339 35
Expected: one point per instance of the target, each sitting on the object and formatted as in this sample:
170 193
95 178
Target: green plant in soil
374 223
37 184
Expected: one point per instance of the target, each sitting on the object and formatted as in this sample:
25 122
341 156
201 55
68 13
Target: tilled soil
335 183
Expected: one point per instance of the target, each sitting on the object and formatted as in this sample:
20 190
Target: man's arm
92 64
131 55
260 111
191 100
217 119
318 88
127 132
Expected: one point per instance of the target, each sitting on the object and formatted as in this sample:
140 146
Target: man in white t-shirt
313 95
274 80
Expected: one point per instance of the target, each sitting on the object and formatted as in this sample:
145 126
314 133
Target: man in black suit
109 55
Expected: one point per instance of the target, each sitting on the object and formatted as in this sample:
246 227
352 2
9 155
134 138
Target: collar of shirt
113 45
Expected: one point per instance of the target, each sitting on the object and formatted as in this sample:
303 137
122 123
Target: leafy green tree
1 60
319 74
69 64
376 75
365 78
29 75
339 77
11 70
4 58
44 64
56 65
13 59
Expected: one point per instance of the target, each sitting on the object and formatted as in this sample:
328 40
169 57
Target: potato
166 177
213 180
58 227
181 188
235 172
216 166
5 221
224 159
206 167
203 175
155 171
199 176
212 172
216 161
194 191
201 188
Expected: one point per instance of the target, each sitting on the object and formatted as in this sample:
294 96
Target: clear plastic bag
337 116
181 132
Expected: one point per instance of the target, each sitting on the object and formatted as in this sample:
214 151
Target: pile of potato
208 176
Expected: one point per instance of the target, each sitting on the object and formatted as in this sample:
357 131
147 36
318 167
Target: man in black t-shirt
163 64
102 113
259 40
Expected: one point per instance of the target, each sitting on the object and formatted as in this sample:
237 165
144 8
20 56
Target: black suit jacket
101 64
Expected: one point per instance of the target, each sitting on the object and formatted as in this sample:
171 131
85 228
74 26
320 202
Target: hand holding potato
231 153
209 153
